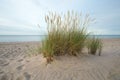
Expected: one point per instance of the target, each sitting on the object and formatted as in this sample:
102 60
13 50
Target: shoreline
40 40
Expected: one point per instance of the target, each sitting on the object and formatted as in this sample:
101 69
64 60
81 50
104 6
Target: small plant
66 35
94 45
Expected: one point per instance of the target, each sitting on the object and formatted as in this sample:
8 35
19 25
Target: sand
17 63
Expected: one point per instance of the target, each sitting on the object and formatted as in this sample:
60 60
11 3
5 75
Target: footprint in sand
20 67
20 60
27 61
7 76
4 62
4 77
1 72
27 76
20 78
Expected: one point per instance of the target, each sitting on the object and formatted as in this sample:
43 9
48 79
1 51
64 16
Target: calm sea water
22 38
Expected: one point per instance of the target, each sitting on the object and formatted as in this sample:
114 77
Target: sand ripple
15 63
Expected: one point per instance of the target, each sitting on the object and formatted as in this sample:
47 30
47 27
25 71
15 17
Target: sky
21 17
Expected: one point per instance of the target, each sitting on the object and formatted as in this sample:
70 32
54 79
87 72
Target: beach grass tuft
67 34
94 44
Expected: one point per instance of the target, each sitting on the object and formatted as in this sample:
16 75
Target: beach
23 61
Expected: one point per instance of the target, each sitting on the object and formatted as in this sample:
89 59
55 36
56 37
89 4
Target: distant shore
18 61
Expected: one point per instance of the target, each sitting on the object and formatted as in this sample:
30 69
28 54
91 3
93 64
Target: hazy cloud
22 16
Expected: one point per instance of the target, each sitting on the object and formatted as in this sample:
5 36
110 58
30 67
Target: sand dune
16 64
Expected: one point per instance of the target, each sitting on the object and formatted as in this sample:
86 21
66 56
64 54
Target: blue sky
21 17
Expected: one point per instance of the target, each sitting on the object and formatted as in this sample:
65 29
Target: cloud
24 15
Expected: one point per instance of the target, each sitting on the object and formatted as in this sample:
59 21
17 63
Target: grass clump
66 34
94 45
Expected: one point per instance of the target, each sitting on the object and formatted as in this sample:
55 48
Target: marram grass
94 45
67 34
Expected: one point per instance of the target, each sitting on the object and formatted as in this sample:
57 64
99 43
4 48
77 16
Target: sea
27 38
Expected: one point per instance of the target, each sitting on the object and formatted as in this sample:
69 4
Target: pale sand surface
16 64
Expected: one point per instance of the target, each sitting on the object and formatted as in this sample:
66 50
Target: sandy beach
17 62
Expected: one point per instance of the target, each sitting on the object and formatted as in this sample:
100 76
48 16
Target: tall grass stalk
66 34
